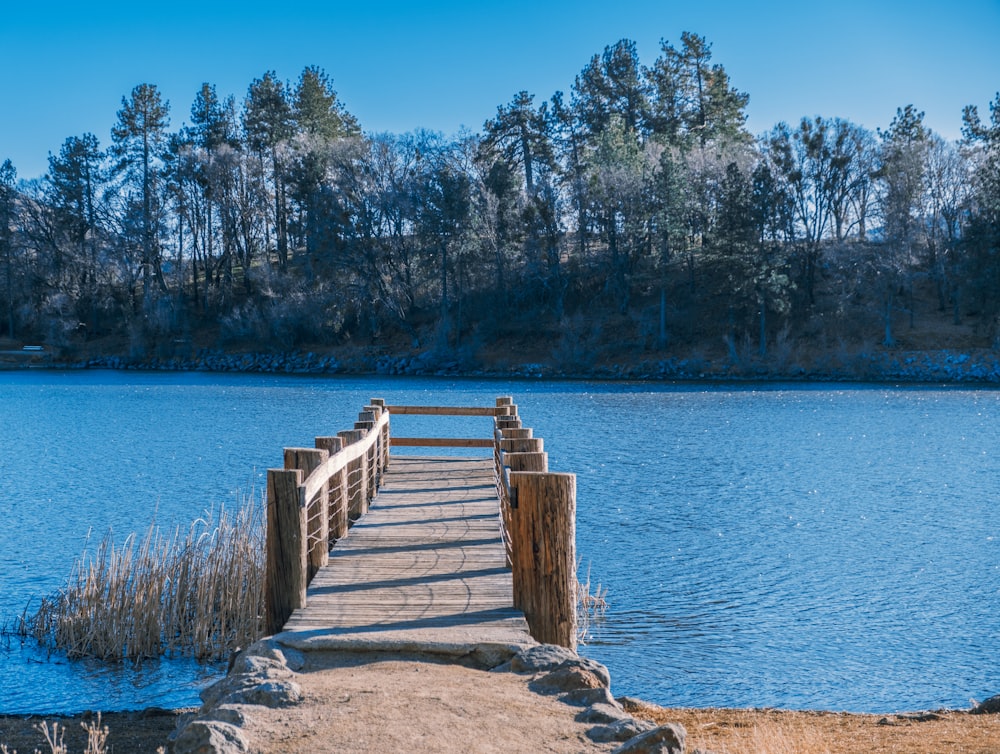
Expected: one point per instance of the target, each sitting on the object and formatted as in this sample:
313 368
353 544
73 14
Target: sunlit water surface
821 547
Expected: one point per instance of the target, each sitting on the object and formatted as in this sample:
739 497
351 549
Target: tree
982 236
321 120
268 124
8 176
901 174
138 139
610 86
692 101
76 180
521 135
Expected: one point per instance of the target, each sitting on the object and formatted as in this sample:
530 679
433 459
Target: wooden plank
440 442
427 557
443 410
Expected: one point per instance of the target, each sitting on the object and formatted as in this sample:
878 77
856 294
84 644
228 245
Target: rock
626 729
210 737
990 707
666 739
603 714
254 680
569 678
541 657
227 713
589 697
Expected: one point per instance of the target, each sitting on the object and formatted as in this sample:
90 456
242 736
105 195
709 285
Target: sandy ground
355 705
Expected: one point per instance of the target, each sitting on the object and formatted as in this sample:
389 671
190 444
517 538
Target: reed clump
591 604
197 593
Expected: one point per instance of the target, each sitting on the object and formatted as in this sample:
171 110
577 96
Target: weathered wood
442 411
508 422
317 510
337 490
544 554
440 442
522 445
516 433
357 499
380 402
526 461
285 562
425 564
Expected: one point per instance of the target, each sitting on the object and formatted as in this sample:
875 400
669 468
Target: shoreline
979 367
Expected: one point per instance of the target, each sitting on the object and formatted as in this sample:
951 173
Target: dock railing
321 491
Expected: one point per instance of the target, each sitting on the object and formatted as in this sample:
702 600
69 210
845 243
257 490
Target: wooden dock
424 570
467 557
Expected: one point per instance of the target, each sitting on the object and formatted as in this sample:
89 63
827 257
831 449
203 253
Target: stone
541 657
990 707
603 714
210 737
621 730
665 739
569 678
588 697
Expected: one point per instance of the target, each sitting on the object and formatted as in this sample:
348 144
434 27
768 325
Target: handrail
321 475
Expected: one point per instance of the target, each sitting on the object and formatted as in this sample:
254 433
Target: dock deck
424 570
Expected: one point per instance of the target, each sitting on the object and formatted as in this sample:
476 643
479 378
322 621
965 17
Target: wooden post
526 461
380 402
366 421
317 512
506 402
357 498
516 433
337 490
285 558
508 422
377 454
544 553
526 445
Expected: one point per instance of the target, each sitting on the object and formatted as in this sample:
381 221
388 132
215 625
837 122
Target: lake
801 546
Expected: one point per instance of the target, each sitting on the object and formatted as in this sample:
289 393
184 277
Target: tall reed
198 593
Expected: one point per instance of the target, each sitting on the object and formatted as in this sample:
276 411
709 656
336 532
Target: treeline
637 212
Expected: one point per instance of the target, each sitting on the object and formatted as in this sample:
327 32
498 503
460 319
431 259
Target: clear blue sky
443 65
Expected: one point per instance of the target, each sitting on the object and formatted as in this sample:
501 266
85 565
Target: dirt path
353 705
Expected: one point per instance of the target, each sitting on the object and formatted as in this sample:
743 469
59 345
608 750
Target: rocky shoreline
911 367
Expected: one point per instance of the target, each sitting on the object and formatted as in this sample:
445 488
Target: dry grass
769 731
199 593
591 603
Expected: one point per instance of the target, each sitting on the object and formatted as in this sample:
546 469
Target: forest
633 219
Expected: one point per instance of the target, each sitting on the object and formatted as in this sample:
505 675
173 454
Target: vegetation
635 215
199 594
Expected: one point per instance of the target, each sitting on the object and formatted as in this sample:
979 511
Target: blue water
817 546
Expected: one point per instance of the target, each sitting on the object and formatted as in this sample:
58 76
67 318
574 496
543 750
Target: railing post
366 421
337 491
380 402
285 557
523 445
544 553
317 511
357 498
516 433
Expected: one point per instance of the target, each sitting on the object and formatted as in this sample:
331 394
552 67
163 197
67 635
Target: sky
445 66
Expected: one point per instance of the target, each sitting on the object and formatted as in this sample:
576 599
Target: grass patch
196 593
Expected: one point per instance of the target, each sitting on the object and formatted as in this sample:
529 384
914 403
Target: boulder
567 678
541 657
210 737
990 707
603 714
625 729
589 697
666 739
